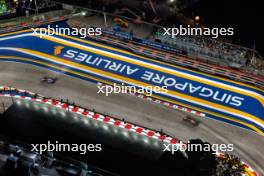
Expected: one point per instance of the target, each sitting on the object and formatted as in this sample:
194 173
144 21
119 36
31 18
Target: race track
218 98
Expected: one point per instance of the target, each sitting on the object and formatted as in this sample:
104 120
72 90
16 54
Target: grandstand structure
25 162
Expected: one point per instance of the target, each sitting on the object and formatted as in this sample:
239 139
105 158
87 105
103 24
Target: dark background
246 17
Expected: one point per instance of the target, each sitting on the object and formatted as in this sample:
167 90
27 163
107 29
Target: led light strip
89 114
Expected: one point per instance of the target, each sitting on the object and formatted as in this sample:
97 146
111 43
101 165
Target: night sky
246 17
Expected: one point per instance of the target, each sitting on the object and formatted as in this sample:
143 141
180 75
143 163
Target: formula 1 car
191 120
49 80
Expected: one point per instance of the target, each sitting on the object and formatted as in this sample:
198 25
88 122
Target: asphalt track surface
249 146
230 101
